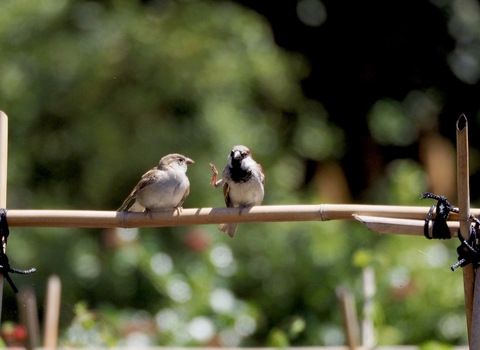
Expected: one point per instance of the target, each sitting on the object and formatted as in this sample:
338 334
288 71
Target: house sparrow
162 188
243 181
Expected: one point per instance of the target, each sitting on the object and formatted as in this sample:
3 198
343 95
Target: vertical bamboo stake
463 188
349 316
3 182
475 333
52 312
27 303
369 288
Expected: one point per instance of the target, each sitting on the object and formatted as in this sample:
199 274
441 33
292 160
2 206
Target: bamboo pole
202 216
3 183
463 192
463 182
383 225
475 336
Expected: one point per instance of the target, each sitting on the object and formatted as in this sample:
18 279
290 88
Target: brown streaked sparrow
163 187
243 183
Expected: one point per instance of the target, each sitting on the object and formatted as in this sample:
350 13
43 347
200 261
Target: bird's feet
242 207
179 210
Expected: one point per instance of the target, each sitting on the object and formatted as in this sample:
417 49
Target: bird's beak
189 161
237 155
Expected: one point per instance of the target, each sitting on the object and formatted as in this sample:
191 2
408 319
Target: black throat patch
237 173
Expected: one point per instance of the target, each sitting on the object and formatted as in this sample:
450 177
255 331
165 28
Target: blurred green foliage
97 93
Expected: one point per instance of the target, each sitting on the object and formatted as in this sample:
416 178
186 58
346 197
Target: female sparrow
243 181
162 188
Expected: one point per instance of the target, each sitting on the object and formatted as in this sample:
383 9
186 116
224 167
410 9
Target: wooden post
3 182
463 185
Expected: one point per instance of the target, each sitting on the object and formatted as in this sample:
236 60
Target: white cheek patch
247 163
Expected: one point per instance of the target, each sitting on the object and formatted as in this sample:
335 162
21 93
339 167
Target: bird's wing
147 178
262 173
226 195
185 195
145 181
126 201
136 207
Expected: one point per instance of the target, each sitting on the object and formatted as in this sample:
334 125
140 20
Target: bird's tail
228 228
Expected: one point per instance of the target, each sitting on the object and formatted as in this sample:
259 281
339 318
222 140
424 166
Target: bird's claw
241 208
148 212
179 210
213 181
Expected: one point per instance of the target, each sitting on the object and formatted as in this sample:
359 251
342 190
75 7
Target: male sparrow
162 188
243 181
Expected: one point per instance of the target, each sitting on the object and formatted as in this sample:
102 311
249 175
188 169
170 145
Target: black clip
442 212
4 230
5 268
468 250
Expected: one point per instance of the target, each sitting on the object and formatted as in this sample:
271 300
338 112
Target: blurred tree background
341 102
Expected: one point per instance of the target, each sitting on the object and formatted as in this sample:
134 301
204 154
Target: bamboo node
322 212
